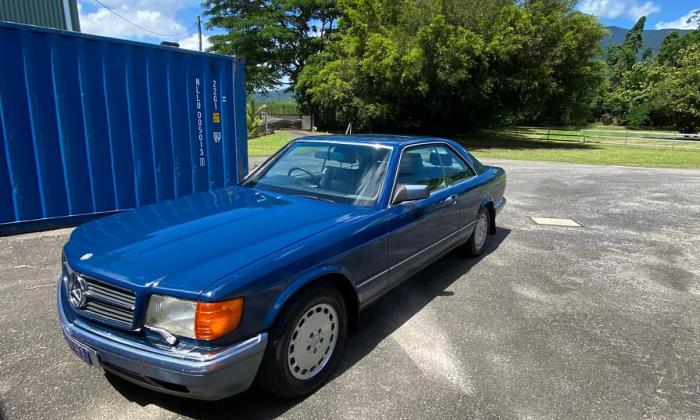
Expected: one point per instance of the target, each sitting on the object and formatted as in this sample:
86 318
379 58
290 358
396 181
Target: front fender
297 284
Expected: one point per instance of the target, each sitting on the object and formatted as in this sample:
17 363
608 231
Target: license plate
81 351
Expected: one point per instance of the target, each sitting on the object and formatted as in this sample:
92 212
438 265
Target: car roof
385 139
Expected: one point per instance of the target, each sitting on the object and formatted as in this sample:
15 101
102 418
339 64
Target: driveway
597 321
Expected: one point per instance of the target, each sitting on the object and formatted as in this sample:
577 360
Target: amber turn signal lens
214 319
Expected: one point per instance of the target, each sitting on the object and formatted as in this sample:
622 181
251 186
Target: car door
464 182
420 230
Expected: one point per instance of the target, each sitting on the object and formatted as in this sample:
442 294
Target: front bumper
189 373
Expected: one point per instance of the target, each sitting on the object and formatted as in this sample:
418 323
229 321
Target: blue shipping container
90 125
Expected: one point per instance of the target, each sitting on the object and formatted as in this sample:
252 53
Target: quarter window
455 168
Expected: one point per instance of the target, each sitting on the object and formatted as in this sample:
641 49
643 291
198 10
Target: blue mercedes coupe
202 295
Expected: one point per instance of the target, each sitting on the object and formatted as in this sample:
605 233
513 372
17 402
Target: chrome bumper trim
206 374
500 204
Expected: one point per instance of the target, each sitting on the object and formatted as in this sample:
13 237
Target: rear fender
485 203
488 203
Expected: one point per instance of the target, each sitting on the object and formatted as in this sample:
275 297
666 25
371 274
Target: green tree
669 49
695 18
275 36
634 100
427 65
661 93
673 44
621 58
678 92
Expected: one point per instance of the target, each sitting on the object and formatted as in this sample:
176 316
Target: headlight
172 314
187 318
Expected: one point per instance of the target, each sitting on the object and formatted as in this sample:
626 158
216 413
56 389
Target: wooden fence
615 137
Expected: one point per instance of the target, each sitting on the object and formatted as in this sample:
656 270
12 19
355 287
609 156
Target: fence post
548 130
584 136
627 134
265 119
673 143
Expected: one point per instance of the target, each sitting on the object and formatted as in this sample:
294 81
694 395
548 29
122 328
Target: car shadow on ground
377 322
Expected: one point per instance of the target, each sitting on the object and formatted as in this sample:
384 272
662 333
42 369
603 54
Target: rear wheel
477 242
305 343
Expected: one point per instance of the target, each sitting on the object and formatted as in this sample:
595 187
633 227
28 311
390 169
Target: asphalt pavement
597 321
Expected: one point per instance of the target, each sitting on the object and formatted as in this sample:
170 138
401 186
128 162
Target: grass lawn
267 145
498 145
494 145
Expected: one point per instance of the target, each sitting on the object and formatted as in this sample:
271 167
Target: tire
289 368
477 241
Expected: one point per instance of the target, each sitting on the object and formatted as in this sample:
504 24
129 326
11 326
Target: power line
141 27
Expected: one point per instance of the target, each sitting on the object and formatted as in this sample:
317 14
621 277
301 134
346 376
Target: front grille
109 302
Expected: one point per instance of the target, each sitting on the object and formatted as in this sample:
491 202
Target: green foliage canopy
673 44
274 36
663 91
621 58
679 91
451 64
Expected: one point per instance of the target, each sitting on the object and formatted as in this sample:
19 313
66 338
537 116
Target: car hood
185 244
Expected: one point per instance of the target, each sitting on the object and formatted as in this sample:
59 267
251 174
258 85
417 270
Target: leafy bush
638 116
254 119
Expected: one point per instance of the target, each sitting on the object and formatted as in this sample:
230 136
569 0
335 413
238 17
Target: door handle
451 200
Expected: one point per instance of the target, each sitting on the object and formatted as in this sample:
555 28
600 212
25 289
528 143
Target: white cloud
192 42
680 23
638 10
603 8
156 16
611 9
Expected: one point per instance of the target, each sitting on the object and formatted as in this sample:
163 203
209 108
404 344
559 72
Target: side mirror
410 193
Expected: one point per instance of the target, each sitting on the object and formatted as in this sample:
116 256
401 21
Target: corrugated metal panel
74 15
91 124
47 13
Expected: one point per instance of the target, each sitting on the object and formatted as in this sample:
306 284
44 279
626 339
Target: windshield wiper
313 197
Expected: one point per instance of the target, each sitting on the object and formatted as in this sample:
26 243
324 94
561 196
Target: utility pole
199 29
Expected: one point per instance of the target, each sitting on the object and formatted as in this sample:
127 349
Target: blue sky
624 13
176 17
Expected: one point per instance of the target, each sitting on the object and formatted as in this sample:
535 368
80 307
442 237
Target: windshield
344 173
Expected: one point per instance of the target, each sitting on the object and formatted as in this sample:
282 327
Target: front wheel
477 242
305 343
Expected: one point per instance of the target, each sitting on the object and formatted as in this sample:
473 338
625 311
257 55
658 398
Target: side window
416 168
455 167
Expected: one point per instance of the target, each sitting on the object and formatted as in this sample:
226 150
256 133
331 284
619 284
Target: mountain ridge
651 38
